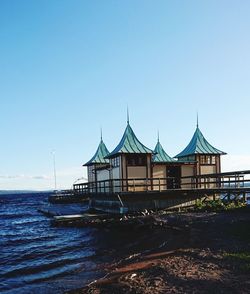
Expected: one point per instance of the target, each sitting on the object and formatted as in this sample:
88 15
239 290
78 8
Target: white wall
208 169
91 176
115 173
102 175
159 171
135 172
186 171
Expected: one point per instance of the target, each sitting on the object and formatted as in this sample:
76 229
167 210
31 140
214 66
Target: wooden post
244 197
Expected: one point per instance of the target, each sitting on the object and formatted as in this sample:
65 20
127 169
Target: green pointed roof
199 145
129 144
160 156
100 155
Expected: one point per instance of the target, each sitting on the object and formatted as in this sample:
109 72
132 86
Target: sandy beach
199 253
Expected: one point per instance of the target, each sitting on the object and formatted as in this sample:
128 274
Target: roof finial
127 115
101 133
158 136
197 120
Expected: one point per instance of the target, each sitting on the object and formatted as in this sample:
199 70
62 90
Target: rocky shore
198 253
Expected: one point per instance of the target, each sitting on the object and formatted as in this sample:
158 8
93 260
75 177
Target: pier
132 195
67 196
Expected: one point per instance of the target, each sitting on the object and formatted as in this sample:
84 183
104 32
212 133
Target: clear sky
69 67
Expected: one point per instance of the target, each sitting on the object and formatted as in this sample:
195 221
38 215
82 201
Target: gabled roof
160 156
129 144
99 157
199 145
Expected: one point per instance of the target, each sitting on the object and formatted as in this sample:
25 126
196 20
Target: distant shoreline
20 192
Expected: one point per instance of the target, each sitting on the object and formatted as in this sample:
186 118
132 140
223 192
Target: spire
158 136
197 119
199 145
101 133
127 115
100 155
129 144
160 156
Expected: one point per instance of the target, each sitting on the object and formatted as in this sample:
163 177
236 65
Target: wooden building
129 160
203 157
163 167
132 166
98 167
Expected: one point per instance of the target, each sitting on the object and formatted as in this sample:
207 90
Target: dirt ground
203 253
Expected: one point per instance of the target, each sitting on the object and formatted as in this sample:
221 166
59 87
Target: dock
109 221
68 196
133 195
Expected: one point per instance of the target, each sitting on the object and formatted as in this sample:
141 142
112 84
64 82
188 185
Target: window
202 159
115 162
136 159
91 176
207 159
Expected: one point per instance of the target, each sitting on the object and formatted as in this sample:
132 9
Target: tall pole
54 165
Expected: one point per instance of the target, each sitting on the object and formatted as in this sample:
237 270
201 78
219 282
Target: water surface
37 257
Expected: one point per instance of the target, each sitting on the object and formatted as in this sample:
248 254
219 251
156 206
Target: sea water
36 257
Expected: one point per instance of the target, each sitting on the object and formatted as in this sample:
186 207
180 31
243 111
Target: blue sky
69 67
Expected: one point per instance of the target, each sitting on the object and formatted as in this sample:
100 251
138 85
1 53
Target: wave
13 215
46 266
33 252
26 240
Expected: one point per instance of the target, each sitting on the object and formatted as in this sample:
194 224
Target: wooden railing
236 179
